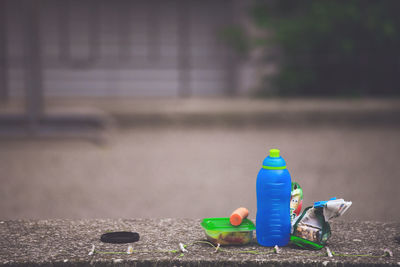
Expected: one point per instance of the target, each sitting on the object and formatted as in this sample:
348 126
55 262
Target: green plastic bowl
221 231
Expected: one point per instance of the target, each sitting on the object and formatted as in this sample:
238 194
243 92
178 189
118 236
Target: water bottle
273 202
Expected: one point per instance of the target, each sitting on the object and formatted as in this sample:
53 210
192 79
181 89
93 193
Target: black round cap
120 237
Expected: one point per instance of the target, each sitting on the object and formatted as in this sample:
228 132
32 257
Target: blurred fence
116 48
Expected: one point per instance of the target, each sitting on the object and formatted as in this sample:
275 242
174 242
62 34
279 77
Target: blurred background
150 109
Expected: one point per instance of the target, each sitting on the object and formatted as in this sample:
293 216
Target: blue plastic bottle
273 202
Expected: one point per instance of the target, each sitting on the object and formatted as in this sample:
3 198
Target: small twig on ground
217 247
329 252
182 247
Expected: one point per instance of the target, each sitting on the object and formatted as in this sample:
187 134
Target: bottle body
273 207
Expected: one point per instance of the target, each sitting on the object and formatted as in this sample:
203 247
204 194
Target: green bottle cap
274 153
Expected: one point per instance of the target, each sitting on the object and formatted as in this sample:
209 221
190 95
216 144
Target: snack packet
311 229
296 200
335 208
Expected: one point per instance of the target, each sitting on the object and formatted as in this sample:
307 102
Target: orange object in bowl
238 216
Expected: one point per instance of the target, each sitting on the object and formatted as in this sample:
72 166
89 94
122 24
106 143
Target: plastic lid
120 237
274 161
274 153
224 225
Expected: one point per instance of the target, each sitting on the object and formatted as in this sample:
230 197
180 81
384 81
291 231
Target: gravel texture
68 242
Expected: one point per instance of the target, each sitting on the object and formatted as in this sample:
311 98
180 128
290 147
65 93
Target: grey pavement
186 159
68 243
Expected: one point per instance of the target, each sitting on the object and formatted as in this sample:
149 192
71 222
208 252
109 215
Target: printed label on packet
296 200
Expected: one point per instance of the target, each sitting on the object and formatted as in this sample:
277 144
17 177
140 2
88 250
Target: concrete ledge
253 112
67 243
136 112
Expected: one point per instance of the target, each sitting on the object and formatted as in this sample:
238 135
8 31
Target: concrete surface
67 243
200 158
223 111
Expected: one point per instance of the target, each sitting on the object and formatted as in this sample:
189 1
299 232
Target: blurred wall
125 48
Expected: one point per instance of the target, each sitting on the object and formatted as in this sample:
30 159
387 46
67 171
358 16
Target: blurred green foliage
236 37
331 48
